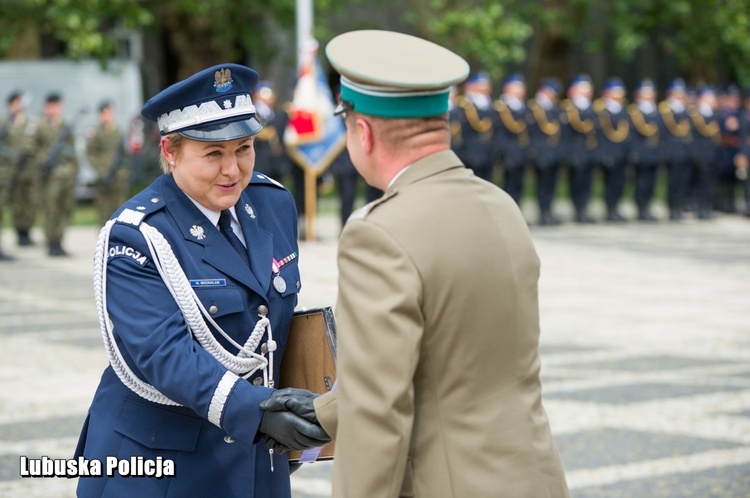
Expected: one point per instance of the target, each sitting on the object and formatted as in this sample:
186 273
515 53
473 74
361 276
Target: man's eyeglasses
343 107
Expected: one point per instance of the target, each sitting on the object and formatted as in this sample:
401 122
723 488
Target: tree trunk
193 42
550 52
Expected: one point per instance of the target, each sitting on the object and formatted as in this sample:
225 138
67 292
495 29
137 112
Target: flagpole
304 26
304 38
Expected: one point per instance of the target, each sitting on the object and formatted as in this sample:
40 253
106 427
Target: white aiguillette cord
243 364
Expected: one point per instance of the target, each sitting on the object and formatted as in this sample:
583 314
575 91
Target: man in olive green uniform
106 153
58 168
22 181
12 133
6 165
438 392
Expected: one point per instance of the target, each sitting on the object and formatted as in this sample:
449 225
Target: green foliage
82 25
699 34
486 33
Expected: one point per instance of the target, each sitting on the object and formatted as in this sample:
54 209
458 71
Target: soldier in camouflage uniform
58 167
105 151
22 181
12 130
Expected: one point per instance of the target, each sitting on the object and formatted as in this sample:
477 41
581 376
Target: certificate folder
309 360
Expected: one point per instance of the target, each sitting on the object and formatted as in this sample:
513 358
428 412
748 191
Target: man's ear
365 136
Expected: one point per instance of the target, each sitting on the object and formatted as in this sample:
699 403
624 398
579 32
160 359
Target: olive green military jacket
102 146
15 140
438 326
45 137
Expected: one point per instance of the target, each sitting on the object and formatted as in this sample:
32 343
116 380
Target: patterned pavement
645 356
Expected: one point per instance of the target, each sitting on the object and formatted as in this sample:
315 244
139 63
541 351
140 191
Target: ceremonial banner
313 136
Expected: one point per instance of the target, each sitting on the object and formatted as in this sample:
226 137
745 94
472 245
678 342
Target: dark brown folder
309 360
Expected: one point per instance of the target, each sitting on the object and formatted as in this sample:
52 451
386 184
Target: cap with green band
394 75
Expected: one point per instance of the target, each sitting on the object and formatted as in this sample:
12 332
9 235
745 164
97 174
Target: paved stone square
645 355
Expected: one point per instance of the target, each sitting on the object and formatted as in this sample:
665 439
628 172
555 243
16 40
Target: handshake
289 422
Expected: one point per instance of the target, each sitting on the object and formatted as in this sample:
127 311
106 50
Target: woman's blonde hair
175 142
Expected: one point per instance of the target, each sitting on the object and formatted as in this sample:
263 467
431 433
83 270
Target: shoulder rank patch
365 210
122 251
131 217
261 178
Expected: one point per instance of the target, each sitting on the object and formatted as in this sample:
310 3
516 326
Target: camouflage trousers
110 197
4 178
59 202
24 198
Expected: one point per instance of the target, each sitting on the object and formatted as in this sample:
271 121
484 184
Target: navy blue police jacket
210 460
645 148
544 135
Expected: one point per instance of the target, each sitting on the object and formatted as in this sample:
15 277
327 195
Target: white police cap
212 105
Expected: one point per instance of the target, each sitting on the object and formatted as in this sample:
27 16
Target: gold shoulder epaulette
540 116
480 125
709 130
506 117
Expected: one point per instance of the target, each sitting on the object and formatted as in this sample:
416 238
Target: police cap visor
224 131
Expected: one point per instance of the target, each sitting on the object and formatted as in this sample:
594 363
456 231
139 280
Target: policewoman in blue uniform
196 280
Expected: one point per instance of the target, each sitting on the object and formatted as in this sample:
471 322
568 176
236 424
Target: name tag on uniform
208 282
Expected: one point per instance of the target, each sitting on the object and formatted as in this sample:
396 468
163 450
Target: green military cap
394 75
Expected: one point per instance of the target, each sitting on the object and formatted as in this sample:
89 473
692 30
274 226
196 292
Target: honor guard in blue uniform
742 161
706 150
729 122
613 143
579 138
477 125
511 134
270 157
196 280
455 119
676 136
545 148
644 146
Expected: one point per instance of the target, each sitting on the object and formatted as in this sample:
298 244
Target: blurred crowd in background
687 148
563 138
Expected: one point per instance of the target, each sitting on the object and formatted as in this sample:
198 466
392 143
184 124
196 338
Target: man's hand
299 401
290 423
